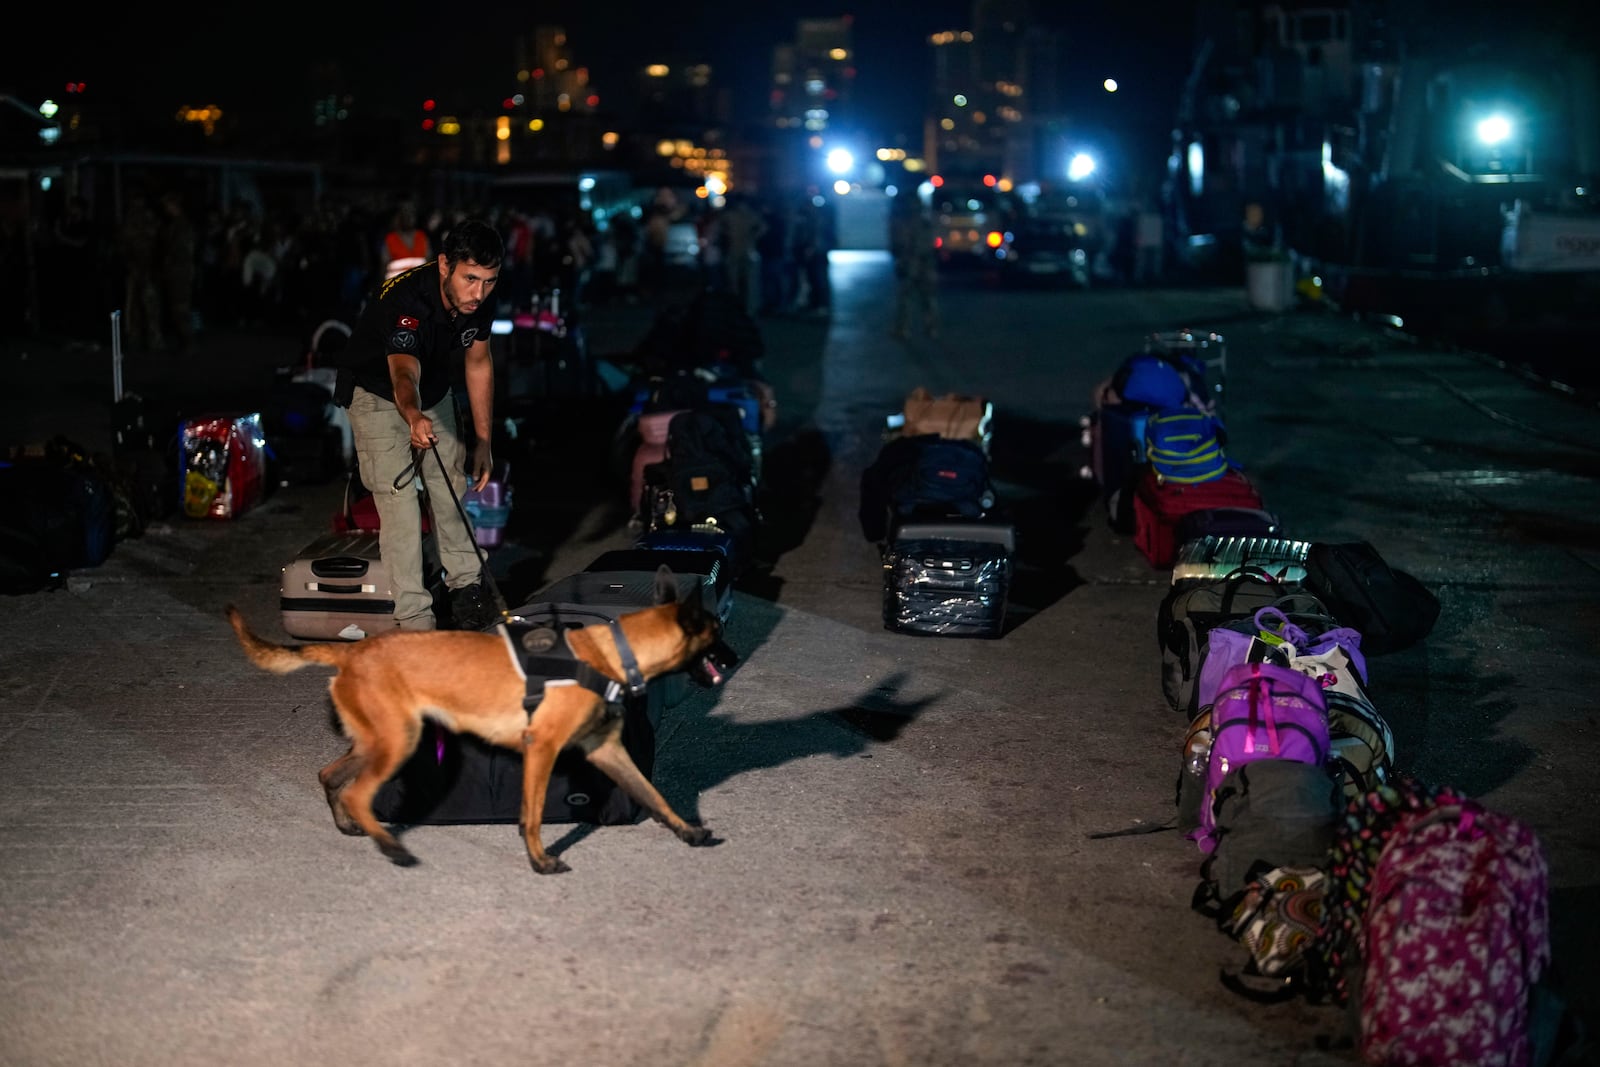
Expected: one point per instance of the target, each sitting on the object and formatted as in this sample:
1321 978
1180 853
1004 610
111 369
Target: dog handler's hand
422 435
482 465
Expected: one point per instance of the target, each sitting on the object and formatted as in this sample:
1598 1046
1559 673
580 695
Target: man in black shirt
398 368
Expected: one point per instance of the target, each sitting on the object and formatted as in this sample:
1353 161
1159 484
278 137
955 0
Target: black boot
471 608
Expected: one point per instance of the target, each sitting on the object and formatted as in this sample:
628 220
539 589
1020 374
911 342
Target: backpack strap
630 664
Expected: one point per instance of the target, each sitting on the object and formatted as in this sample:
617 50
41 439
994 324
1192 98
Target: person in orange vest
406 245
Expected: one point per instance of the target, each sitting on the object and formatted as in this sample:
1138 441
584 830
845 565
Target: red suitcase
1158 505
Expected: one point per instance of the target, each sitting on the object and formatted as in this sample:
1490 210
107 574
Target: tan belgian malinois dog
469 682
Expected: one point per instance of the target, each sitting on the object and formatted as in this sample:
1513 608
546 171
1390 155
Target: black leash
413 470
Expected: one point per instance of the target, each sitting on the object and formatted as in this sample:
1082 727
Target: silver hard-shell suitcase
1206 558
338 587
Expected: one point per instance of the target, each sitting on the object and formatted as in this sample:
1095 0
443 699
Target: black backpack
925 476
713 435
1391 608
706 480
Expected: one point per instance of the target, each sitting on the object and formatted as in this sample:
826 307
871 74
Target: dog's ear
666 585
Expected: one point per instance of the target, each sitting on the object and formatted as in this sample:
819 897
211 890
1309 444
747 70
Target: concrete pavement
906 876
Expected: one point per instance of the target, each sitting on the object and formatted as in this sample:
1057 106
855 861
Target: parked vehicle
1039 250
965 226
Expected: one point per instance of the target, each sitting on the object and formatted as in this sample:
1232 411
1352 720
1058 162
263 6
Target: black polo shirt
408 315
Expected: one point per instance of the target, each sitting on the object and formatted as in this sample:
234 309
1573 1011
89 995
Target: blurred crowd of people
770 251
174 267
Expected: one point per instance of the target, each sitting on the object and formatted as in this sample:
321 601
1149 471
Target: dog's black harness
543 656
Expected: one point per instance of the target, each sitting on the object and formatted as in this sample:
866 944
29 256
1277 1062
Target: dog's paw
699 837
548 865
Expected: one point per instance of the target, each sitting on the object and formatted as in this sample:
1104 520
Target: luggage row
1342 879
929 503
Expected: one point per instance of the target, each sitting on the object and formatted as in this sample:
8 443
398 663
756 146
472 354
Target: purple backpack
1262 711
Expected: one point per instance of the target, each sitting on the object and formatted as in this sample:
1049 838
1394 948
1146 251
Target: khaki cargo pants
383 450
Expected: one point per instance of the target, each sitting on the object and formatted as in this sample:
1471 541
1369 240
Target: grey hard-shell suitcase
338 587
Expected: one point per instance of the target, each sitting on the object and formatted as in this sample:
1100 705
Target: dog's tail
281 659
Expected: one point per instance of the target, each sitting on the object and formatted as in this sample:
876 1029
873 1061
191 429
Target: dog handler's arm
405 377
480 397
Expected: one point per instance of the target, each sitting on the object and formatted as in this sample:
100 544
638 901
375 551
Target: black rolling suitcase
709 565
457 779
948 579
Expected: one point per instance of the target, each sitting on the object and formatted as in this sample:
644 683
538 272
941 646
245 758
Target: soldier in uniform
421 328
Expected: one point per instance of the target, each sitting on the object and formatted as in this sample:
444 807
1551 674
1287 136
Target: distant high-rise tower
813 75
548 77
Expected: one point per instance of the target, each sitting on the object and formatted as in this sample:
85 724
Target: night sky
252 58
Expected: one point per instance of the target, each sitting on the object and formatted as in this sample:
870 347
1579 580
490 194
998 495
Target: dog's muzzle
712 667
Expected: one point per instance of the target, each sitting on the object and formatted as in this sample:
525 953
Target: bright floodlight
840 160
1110 85
1081 167
1494 129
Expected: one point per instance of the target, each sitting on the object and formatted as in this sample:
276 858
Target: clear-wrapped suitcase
948 579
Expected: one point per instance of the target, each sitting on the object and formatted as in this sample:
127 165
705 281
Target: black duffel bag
1391 609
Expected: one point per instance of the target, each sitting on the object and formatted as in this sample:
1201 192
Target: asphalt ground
906 874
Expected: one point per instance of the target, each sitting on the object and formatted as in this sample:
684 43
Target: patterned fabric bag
1457 935
1447 933
1278 918
1366 825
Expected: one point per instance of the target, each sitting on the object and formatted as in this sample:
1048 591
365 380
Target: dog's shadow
707 750
700 751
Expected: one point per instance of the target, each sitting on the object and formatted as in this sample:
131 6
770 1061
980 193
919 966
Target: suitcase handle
339 567
328 587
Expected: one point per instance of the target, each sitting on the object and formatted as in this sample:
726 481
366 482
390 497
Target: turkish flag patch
406 322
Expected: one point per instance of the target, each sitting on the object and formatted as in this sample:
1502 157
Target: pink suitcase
652 449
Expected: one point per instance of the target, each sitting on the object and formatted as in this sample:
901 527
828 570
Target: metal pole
116 356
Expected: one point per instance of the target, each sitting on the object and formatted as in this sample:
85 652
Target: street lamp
1494 129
